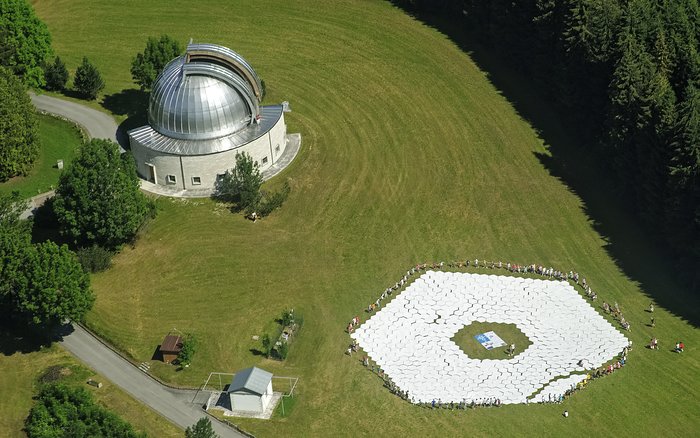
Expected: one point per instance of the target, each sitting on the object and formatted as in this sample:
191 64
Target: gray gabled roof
250 380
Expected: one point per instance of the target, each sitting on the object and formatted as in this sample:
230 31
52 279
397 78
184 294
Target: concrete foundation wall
246 402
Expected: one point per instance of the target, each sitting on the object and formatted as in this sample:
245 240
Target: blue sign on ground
489 340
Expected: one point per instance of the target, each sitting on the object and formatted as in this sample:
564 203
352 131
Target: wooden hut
171 347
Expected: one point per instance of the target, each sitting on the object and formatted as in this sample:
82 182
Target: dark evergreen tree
201 429
88 80
684 203
621 71
56 75
630 106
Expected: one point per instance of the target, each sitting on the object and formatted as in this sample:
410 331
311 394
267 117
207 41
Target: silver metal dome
202 97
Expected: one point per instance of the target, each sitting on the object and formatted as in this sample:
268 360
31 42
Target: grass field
409 154
59 141
510 334
19 383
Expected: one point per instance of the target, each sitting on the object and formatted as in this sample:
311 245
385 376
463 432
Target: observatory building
204 109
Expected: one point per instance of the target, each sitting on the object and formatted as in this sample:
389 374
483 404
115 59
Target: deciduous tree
241 185
19 140
147 66
25 42
53 286
98 200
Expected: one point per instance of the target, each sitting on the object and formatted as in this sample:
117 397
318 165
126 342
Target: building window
196 180
170 179
264 160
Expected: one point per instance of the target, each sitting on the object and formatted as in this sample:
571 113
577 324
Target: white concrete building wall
278 138
207 167
246 402
164 164
267 397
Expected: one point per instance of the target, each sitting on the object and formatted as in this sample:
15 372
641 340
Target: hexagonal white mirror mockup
410 338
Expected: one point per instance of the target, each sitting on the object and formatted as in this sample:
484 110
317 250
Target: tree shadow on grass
16 338
68 92
132 103
572 159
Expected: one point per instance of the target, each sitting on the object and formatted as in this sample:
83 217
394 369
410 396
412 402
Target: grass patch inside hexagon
510 333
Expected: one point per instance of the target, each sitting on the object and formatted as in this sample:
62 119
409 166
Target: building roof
171 343
251 381
156 141
209 92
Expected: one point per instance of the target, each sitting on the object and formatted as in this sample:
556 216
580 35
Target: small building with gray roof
250 390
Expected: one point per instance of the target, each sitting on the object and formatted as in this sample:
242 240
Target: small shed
170 347
250 390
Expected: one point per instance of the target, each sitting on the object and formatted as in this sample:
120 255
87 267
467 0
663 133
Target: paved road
175 405
96 123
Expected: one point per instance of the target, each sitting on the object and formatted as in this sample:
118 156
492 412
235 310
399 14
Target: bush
287 317
94 258
283 350
189 347
266 345
63 411
88 80
56 75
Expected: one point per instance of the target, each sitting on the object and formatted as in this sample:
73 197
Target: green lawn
19 383
59 141
409 154
510 334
